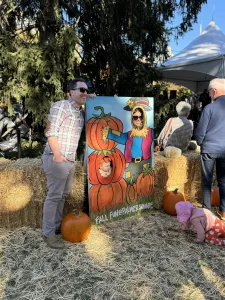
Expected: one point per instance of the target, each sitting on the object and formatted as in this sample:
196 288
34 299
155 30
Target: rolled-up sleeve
55 119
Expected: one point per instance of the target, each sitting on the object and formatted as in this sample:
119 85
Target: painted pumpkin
117 161
145 181
104 197
132 192
95 127
75 227
215 196
170 199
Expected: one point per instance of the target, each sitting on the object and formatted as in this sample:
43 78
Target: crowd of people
65 123
210 136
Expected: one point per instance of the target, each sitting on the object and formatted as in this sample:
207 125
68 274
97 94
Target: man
210 136
178 131
65 123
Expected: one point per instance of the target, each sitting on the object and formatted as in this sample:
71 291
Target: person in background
65 123
178 131
208 227
210 136
204 98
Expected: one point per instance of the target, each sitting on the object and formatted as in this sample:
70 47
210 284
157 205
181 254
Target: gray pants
59 182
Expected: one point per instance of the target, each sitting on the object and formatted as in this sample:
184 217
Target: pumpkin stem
102 115
77 212
175 191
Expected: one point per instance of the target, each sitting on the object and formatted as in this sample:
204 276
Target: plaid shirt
65 122
178 135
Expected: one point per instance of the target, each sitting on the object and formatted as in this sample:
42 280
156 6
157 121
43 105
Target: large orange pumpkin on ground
118 165
75 227
145 181
94 130
104 197
215 196
170 199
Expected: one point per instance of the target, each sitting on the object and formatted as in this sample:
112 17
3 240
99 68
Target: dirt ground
142 257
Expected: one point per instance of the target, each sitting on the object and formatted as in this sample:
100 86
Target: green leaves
116 44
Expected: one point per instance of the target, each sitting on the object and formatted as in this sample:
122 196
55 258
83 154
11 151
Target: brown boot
53 242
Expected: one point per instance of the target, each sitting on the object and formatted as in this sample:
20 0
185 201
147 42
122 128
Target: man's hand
93 95
59 158
105 131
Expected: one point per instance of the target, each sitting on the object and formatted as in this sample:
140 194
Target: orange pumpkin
104 197
169 201
75 227
118 165
215 196
131 191
145 181
94 130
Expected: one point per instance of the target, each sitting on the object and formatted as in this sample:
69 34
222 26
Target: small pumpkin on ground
215 196
75 227
170 199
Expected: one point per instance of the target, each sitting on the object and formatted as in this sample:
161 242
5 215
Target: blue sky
213 9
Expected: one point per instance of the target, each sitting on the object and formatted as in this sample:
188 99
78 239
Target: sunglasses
82 90
137 117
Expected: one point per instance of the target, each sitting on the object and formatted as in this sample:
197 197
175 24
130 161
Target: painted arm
115 135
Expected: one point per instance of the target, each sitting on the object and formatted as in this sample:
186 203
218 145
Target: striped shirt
66 123
179 134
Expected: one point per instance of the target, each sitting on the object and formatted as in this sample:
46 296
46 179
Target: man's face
137 119
79 97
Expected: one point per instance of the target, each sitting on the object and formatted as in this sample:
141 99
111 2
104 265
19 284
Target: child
208 227
105 168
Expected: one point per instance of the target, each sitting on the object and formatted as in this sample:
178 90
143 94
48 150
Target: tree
117 43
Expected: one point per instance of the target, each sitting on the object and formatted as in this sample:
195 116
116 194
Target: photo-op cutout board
120 166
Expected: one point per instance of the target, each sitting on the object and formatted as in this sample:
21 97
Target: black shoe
58 231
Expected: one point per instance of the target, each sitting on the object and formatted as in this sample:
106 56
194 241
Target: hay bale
183 173
23 190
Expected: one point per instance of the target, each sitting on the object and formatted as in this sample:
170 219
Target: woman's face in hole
137 119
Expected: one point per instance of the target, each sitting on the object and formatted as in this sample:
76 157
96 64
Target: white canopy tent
198 63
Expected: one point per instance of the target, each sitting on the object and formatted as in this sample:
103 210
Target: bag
159 147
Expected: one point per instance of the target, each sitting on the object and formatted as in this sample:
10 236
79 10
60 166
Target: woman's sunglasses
82 90
137 117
